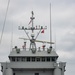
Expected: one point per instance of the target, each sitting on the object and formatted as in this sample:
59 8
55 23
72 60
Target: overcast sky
63 28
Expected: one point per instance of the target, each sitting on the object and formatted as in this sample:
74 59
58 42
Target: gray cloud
68 41
63 16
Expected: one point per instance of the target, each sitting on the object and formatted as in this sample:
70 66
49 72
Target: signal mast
33 38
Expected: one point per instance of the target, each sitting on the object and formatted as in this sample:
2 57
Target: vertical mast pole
32 28
32 21
50 27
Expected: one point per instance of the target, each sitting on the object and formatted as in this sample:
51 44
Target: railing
37 49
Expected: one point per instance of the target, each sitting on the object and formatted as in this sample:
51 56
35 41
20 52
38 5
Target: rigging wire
11 46
4 21
38 34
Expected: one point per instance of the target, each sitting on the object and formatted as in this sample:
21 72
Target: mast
50 27
32 41
32 18
33 38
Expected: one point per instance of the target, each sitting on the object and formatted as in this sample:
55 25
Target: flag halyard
30 21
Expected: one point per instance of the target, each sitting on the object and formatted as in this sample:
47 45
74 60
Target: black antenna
50 27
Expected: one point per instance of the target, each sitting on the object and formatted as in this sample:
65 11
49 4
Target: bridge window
18 59
53 58
22 59
48 58
13 59
43 59
33 58
28 58
37 59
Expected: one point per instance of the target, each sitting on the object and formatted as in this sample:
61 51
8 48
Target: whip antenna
50 27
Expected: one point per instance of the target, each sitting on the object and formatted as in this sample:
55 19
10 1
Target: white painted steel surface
32 72
30 54
9 71
57 71
29 65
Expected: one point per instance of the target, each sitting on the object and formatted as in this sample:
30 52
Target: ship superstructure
33 60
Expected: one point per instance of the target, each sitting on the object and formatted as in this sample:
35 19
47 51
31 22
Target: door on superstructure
36 73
